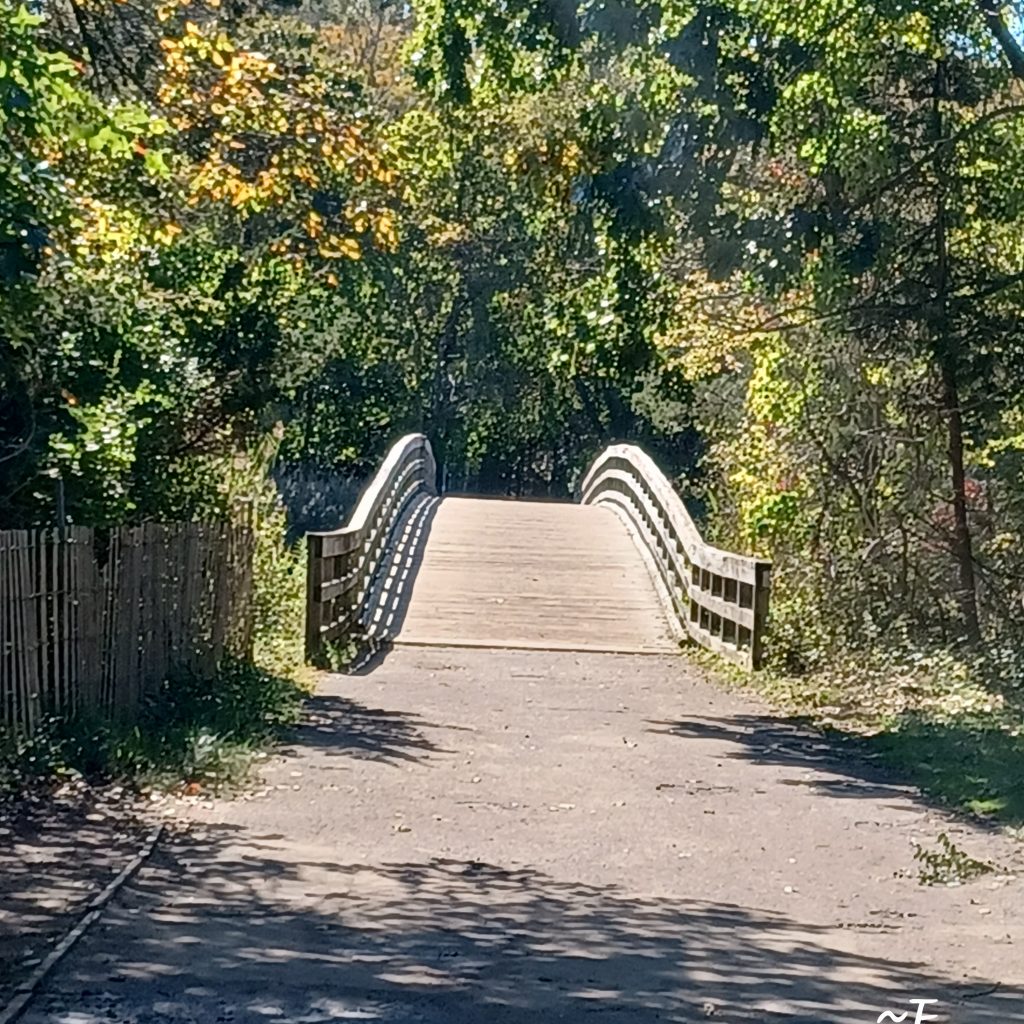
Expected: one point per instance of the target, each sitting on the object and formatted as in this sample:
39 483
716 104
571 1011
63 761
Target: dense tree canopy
841 186
778 244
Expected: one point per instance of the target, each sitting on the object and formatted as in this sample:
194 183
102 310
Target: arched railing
719 599
344 563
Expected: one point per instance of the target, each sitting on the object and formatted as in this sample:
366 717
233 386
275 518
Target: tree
829 168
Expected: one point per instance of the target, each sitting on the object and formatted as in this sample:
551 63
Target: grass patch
951 724
203 734
975 765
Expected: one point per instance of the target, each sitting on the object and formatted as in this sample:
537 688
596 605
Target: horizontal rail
720 599
342 563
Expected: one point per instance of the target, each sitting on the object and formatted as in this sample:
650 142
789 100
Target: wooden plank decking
533 575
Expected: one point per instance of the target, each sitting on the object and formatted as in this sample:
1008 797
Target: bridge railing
720 599
342 563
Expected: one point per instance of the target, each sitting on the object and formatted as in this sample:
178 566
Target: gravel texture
518 836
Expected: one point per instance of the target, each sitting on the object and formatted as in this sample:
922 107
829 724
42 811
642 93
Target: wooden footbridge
622 570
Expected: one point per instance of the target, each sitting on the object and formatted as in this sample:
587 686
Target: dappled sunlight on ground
218 928
462 836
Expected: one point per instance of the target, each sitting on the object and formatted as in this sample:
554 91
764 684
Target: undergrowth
950 722
948 865
200 733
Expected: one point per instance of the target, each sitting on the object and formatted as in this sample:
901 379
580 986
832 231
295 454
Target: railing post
762 588
314 609
719 598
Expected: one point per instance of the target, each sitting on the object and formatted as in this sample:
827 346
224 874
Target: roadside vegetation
778 245
196 735
951 724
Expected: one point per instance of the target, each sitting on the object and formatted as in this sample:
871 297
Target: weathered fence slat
30 676
93 620
720 599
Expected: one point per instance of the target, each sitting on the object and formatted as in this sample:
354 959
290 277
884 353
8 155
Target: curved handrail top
372 493
680 519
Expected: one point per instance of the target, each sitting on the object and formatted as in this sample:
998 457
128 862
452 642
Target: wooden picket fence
96 620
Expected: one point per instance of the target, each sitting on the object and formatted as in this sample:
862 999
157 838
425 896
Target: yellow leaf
341 247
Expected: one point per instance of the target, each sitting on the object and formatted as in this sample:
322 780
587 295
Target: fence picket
97 621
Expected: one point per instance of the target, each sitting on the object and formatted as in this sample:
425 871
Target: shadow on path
338 726
961 768
56 853
794 743
210 933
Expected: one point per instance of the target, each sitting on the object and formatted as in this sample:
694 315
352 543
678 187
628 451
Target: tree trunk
441 410
963 554
967 595
992 12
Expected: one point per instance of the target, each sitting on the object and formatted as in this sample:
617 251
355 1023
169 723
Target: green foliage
209 257
193 731
279 584
949 865
835 264
241 487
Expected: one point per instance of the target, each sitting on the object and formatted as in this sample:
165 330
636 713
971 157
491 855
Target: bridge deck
541 575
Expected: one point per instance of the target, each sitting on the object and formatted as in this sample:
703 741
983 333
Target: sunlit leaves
278 141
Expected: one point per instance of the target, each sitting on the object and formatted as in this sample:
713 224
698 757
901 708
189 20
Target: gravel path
507 837
56 853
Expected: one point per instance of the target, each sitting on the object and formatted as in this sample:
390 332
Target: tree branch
992 12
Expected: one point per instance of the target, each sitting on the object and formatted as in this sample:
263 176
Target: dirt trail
479 836
56 853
